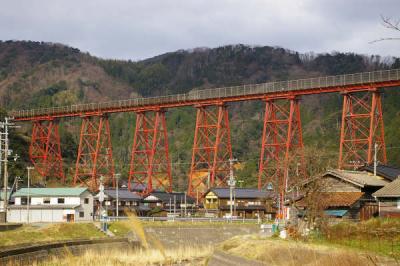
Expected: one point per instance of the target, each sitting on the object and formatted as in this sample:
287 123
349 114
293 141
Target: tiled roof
166 197
50 192
242 193
390 190
333 199
386 171
123 194
360 178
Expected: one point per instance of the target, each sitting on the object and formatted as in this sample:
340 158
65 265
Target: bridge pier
362 128
94 153
212 149
44 149
150 165
282 162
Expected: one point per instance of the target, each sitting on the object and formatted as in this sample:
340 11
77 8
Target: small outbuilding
51 205
389 199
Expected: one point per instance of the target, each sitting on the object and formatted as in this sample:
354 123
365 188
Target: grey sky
129 29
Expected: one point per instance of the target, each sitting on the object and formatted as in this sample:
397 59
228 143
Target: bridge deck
281 89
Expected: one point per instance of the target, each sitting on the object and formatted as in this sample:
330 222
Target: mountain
38 74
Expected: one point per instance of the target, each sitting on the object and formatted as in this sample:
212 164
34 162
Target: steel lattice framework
282 162
45 150
150 166
94 153
212 150
362 128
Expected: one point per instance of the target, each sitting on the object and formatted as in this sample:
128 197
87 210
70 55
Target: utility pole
375 158
5 126
29 168
231 184
116 194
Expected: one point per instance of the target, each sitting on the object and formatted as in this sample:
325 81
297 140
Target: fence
364 78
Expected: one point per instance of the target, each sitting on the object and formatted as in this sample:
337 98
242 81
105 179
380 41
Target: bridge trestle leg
282 163
212 150
94 153
45 150
150 167
362 127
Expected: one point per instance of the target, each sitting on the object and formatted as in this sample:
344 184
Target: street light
29 168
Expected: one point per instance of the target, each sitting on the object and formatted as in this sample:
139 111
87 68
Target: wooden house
247 203
343 194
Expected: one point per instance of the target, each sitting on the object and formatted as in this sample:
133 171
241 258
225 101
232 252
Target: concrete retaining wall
200 235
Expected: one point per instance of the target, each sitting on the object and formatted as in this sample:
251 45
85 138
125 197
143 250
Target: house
247 202
173 203
386 171
126 200
51 205
389 199
342 194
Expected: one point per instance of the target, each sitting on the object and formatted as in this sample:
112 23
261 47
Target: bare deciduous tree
392 24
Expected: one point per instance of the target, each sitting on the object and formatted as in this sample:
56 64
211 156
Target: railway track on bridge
281 145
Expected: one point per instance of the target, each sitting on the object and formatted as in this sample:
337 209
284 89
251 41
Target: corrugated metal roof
336 213
360 178
242 193
390 190
51 192
386 171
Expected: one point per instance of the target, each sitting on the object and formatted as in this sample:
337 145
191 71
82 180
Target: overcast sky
129 29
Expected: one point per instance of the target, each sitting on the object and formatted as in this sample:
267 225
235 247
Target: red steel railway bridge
281 146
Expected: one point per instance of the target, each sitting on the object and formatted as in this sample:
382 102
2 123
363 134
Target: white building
51 205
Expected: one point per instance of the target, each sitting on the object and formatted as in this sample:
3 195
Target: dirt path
220 258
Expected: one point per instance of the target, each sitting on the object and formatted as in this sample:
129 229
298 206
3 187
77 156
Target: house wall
87 209
389 207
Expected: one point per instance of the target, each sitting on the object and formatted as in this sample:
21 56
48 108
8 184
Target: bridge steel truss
212 150
282 163
362 129
94 160
150 166
45 149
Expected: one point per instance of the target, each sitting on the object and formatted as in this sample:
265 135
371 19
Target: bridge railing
221 93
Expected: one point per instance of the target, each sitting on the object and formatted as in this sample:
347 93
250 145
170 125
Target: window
60 200
46 201
81 214
24 200
86 200
398 203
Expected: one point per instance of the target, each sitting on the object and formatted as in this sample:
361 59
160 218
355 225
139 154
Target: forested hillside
34 74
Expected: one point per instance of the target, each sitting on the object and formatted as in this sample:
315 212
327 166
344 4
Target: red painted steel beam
147 104
45 150
94 160
150 166
362 127
282 163
211 150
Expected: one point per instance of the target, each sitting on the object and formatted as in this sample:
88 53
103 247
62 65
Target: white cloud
139 29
